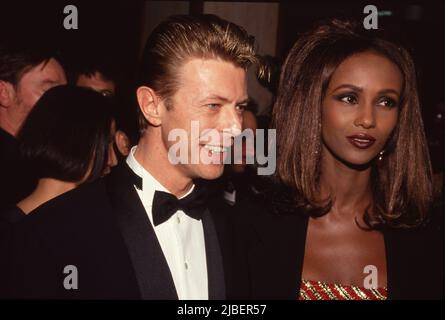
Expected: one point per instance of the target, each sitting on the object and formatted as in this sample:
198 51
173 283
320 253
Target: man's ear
150 105
7 94
122 142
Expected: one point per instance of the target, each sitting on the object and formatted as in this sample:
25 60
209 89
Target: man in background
26 72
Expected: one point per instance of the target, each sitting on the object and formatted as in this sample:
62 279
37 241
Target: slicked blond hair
181 38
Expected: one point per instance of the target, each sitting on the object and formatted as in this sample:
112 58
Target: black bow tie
166 204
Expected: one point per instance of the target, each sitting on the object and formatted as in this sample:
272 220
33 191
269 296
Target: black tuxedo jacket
270 248
103 230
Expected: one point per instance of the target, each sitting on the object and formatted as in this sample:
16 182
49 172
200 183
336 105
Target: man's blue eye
213 105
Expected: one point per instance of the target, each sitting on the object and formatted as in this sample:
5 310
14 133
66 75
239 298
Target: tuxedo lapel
391 282
402 264
215 271
276 256
150 266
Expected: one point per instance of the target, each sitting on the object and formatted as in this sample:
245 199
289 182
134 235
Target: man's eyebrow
244 101
47 81
223 99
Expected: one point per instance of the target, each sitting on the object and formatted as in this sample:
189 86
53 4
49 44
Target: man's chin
211 171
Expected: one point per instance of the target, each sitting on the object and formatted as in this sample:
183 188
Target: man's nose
231 121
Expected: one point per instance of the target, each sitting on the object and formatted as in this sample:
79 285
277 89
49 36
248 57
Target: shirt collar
149 183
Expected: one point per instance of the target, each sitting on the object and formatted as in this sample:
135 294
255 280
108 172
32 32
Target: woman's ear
122 143
149 103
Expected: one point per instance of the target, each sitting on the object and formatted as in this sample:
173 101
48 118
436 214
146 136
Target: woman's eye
387 102
349 99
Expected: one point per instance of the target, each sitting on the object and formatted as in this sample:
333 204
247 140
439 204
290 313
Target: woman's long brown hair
402 187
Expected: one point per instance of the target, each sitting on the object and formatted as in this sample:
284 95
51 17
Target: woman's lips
361 140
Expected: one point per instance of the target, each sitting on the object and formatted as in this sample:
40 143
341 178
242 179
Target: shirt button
186 265
178 219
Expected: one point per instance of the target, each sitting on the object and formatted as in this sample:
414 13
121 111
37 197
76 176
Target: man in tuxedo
147 231
26 72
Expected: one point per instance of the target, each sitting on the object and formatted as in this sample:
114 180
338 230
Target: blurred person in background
64 142
27 70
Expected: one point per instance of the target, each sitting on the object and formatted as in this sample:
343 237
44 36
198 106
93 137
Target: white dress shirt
181 239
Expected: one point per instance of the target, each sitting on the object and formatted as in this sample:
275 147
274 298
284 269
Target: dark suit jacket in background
269 250
102 229
16 180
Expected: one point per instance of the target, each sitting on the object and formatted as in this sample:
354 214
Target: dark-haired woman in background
347 218
65 141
